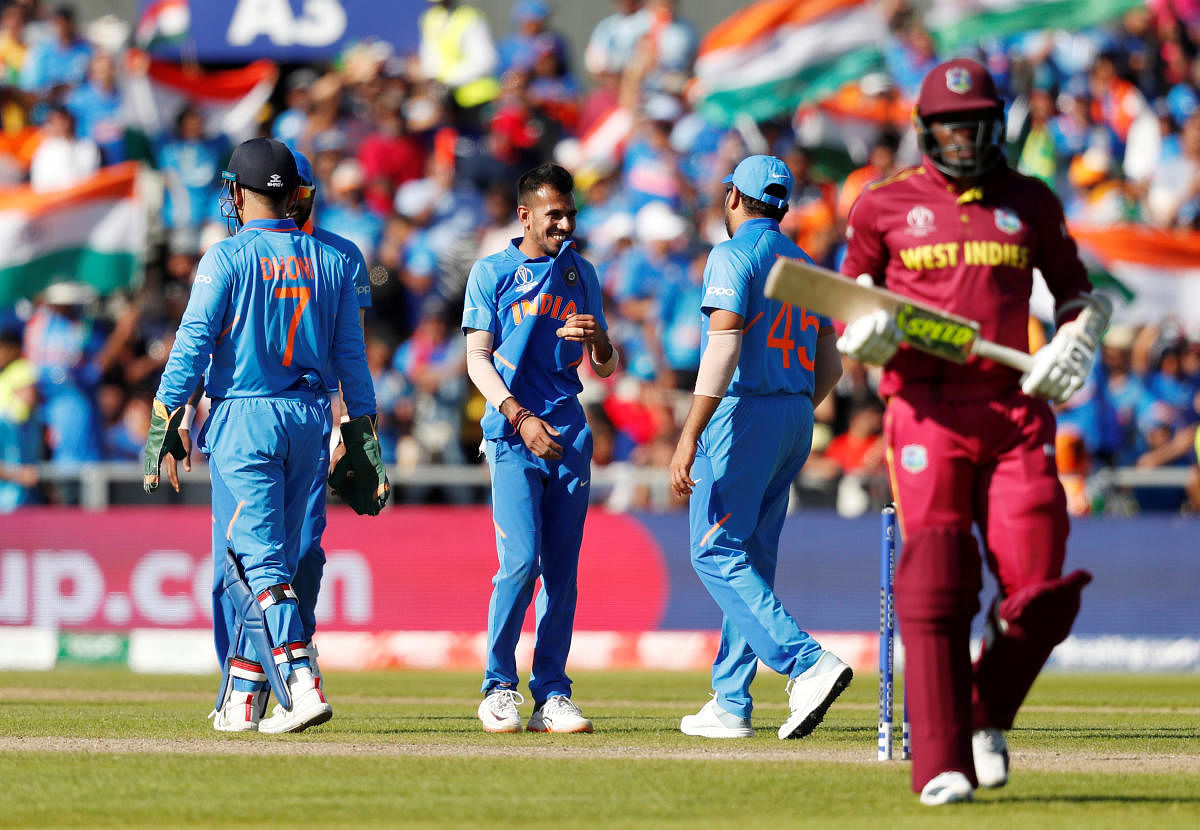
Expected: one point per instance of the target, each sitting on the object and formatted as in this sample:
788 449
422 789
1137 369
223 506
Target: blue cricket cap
530 10
303 168
755 174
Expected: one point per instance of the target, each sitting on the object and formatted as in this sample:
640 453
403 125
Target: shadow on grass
1108 733
1115 798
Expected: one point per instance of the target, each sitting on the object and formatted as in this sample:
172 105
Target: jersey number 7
301 292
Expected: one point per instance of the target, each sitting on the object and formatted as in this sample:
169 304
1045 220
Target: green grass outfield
93 747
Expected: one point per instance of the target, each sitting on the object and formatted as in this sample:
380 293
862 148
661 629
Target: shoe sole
316 720
581 729
955 800
810 722
714 732
501 730
250 727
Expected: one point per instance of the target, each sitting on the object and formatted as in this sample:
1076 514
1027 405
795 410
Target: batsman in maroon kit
974 443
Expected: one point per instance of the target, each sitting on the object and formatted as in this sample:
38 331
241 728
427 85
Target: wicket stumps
887 641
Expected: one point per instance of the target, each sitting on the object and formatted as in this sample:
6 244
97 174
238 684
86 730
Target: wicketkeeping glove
358 476
162 439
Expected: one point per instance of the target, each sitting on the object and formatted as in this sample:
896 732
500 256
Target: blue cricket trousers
746 460
538 508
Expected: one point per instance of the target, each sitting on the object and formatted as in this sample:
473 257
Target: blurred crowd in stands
416 158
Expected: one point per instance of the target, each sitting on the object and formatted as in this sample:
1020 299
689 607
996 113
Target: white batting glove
1061 366
871 339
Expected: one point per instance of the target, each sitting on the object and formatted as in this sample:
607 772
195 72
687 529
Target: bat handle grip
1005 355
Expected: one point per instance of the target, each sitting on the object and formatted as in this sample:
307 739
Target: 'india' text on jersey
523 301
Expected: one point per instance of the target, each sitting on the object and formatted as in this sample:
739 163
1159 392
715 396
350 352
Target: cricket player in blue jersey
532 314
311 566
749 431
307 582
271 309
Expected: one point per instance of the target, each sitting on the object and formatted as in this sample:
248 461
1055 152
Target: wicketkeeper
270 309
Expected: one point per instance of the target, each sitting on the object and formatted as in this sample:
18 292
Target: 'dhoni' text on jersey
269 306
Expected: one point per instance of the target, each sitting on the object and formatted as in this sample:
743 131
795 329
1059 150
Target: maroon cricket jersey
971 253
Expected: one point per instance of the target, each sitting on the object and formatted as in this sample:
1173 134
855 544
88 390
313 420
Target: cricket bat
922 326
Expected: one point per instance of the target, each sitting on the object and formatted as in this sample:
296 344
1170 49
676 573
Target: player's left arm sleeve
350 356
197 333
479 305
1059 261
362 279
718 363
482 371
726 282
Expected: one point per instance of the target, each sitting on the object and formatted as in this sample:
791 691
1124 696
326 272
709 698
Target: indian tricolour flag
162 22
956 23
231 100
772 56
1158 270
94 232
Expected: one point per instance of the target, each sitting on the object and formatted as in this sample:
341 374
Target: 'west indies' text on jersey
970 252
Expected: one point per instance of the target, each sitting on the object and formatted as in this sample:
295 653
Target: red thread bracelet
520 418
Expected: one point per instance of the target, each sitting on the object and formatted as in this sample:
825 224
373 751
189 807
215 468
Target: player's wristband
522 415
607 367
189 412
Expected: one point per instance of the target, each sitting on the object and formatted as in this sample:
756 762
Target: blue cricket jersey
780 340
273 307
523 302
362 283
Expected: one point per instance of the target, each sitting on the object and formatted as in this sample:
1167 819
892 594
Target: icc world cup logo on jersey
920 221
524 278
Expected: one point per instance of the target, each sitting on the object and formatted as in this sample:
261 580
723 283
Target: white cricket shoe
240 712
312 662
947 788
559 714
811 693
712 721
991 757
498 710
309 707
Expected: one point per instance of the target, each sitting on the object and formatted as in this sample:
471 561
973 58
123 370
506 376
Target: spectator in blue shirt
96 105
346 211
291 124
58 60
530 34
191 164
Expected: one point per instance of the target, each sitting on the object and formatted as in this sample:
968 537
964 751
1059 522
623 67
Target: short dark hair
278 202
757 207
548 175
